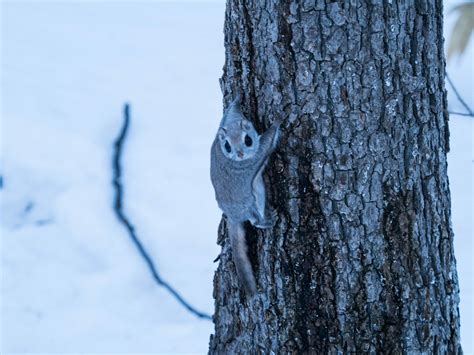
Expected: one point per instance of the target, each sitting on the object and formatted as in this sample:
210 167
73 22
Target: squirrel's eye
227 147
248 141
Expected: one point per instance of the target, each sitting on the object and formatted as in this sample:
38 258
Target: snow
460 171
71 280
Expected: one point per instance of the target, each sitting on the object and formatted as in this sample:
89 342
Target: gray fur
238 183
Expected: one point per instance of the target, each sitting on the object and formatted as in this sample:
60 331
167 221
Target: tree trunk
361 258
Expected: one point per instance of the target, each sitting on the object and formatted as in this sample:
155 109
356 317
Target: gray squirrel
238 157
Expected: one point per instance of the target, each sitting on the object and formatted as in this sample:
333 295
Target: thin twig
117 183
456 92
461 113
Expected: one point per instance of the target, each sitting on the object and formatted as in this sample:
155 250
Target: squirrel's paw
269 221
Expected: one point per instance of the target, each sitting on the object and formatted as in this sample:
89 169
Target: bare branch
118 204
461 114
456 92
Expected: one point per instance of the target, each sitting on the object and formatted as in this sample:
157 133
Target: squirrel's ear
232 112
237 101
235 104
246 124
221 133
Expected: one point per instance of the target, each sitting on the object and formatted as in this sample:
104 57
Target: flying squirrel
238 158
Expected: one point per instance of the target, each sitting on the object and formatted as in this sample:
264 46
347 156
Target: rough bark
361 259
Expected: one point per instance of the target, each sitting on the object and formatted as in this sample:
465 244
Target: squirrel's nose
240 154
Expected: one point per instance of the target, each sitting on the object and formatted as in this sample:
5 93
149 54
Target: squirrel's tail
241 259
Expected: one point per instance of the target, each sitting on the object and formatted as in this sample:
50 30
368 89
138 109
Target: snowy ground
71 280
